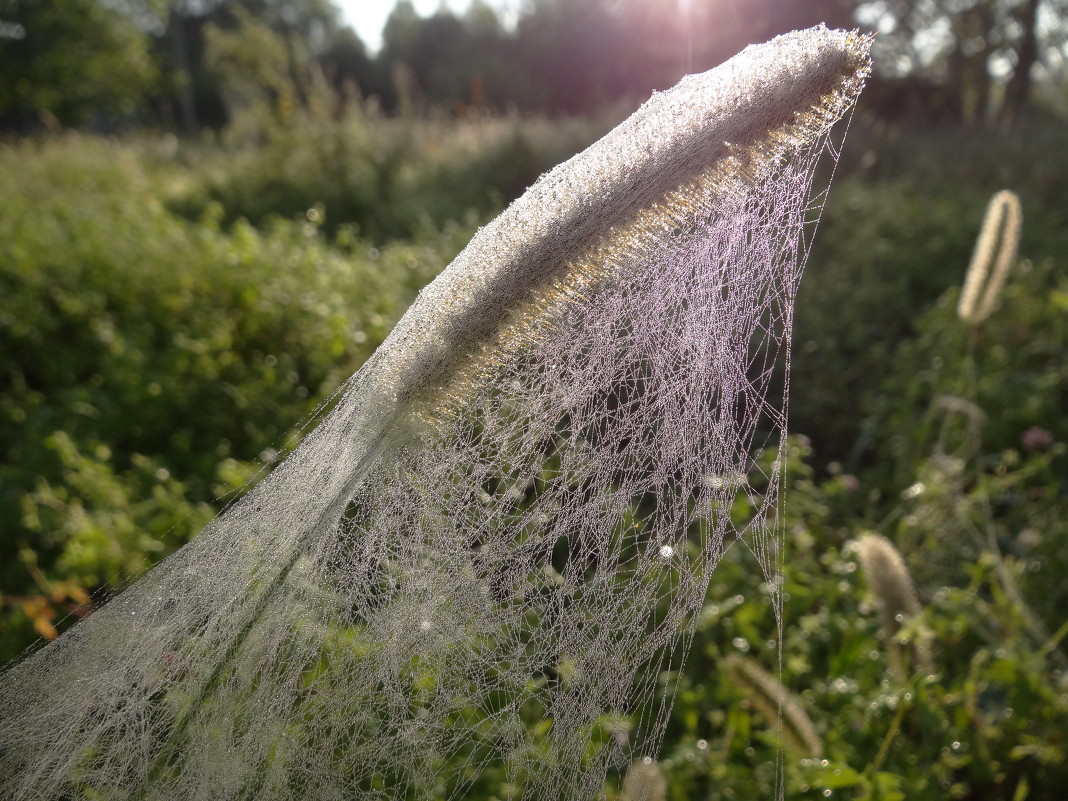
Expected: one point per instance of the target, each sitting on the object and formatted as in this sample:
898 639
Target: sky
368 16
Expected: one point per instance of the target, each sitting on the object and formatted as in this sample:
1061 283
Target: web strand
474 574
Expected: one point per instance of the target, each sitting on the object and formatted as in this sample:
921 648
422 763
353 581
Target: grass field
172 311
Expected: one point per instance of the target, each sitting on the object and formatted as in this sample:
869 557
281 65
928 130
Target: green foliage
987 720
174 311
92 61
251 60
897 233
986 468
386 178
149 356
969 481
72 60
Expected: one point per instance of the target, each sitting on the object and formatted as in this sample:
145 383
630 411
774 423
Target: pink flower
1036 439
850 482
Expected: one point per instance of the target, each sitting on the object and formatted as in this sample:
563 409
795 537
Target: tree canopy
73 62
194 63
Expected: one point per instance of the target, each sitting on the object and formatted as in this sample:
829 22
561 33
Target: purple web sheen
478 566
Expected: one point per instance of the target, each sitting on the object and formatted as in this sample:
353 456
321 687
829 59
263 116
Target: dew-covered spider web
469 577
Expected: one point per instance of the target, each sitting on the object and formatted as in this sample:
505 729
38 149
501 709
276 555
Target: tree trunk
1019 86
176 30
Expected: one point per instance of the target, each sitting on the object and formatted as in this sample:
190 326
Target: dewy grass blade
473 574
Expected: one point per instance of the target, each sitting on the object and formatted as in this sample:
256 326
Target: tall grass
172 310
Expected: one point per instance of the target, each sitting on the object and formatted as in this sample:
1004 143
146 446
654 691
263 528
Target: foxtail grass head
895 597
775 703
992 259
643 782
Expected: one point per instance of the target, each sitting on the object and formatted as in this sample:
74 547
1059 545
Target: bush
898 232
152 357
386 179
968 478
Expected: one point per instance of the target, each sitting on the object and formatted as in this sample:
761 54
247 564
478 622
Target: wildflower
1036 439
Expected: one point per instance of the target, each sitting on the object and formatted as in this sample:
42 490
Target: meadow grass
174 310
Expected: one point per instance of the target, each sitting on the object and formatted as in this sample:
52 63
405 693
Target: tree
448 60
977 56
78 61
206 82
252 62
346 64
1019 85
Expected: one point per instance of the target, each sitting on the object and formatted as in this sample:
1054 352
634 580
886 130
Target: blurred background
212 211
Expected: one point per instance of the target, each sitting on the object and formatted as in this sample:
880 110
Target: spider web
471 576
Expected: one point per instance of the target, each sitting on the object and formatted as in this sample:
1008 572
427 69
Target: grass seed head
771 699
894 593
997 243
644 782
